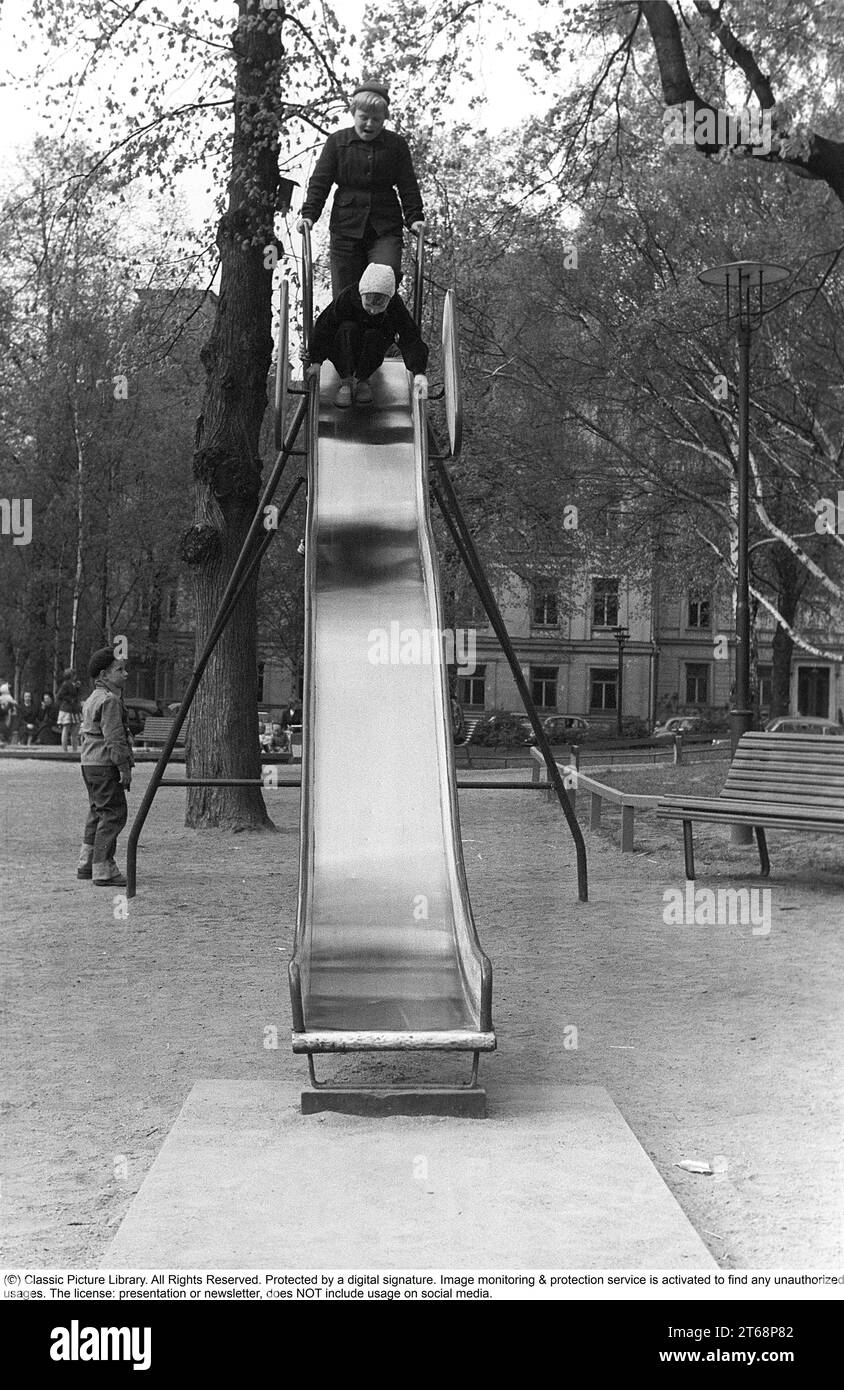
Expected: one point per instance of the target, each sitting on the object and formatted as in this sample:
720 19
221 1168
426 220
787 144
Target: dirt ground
710 1040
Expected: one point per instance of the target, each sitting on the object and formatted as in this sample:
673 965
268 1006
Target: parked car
138 711
566 728
803 724
503 729
681 724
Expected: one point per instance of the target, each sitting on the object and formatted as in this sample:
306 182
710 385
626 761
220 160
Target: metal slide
386 954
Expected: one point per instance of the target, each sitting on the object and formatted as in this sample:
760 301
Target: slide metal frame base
467 1100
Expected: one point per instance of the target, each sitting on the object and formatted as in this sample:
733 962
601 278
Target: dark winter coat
68 697
394 325
367 173
28 712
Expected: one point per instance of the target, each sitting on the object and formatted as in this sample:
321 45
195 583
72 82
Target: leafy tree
238 92
599 372
786 57
96 413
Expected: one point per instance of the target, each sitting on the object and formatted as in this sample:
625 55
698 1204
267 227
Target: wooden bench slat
756 736
780 769
764 796
751 815
820 766
776 777
747 790
678 805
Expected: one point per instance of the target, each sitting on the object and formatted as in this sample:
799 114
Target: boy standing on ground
107 764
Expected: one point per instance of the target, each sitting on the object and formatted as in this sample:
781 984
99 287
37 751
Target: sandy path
709 1039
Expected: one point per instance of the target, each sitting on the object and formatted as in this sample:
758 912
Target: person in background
107 764
8 713
369 165
356 330
70 709
45 719
27 719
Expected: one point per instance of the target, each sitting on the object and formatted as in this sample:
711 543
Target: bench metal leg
688 847
763 851
627 814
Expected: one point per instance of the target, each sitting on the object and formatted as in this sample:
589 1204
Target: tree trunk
154 627
223 729
791 578
105 596
80 531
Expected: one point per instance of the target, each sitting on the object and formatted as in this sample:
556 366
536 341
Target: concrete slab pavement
554 1179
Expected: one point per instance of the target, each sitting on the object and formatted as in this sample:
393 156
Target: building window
766 685
603 689
697 683
261 665
604 602
543 686
471 690
699 611
544 605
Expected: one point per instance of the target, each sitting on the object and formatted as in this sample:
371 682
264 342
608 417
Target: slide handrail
282 366
307 287
419 277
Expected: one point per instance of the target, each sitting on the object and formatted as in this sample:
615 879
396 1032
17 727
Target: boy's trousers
108 811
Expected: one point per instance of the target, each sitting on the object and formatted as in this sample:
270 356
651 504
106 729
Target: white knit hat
378 279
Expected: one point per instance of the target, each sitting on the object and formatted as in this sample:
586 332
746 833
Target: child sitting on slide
356 330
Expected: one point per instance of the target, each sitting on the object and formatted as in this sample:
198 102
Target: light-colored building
679 656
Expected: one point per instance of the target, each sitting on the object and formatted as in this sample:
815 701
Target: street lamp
621 635
743 283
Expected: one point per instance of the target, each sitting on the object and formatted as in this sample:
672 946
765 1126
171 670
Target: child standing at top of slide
368 164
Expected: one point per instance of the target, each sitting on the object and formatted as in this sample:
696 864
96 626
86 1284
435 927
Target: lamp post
743 283
621 635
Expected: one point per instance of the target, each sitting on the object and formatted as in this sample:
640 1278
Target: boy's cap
377 89
100 661
378 279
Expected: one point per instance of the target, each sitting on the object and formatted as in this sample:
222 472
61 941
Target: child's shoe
363 393
344 395
83 863
107 875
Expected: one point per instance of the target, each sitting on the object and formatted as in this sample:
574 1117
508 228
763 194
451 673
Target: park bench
156 732
778 781
574 780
